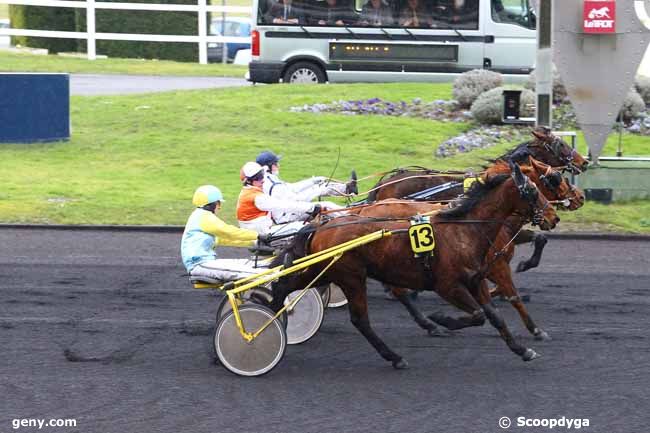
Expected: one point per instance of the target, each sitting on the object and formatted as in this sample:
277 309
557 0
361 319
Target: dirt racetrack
102 327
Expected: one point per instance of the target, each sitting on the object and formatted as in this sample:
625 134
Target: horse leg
527 354
540 241
406 299
358 306
483 297
501 275
462 299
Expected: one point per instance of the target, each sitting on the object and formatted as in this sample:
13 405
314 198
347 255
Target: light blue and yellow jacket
204 231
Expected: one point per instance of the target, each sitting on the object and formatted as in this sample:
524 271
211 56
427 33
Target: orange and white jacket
254 207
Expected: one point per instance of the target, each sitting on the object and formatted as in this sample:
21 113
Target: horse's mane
473 197
517 154
500 166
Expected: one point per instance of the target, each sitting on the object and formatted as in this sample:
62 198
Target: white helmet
251 169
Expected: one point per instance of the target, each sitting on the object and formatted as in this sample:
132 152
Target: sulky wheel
258 356
257 295
324 294
337 297
305 318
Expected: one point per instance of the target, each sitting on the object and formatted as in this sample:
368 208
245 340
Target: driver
204 231
304 190
255 207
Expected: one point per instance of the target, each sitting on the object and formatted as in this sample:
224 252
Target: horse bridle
555 147
529 192
552 180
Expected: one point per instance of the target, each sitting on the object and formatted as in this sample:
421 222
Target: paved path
102 327
92 84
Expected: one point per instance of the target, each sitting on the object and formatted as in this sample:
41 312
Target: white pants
265 225
286 217
226 269
333 189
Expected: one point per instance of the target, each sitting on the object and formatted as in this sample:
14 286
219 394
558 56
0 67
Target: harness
429 193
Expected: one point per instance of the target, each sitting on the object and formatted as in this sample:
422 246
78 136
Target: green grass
633 216
18 62
137 159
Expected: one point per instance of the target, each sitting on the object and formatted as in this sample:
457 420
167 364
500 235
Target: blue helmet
206 194
267 158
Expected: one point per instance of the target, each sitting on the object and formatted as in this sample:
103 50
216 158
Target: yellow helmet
206 194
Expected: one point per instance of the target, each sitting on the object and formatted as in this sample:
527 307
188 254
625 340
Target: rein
364 205
366 219
419 176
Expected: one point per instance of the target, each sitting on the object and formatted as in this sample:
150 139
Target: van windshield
517 12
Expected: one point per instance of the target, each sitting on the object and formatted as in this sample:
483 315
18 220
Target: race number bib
421 237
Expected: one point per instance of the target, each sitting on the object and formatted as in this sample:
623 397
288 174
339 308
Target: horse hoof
529 355
436 318
389 296
400 364
542 336
437 332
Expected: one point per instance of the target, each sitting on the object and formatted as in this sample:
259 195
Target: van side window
459 14
285 12
517 12
331 13
377 13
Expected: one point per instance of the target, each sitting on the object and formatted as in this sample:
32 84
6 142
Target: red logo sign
599 16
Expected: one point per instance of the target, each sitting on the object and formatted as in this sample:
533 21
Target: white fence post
90 29
91 36
203 32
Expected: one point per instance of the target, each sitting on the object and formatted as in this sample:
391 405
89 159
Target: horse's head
556 152
532 205
554 186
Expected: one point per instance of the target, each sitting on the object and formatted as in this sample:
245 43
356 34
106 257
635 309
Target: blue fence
34 107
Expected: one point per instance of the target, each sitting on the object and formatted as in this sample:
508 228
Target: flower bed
479 137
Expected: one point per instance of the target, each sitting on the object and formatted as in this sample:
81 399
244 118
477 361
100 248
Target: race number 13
421 237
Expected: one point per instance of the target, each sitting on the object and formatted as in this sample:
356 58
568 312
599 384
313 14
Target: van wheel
304 73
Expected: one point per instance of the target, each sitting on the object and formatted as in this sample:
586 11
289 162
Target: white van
314 41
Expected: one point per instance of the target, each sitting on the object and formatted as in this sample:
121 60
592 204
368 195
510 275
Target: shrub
559 91
469 85
151 22
43 18
642 85
633 105
488 107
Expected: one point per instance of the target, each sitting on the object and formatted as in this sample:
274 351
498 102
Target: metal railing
91 36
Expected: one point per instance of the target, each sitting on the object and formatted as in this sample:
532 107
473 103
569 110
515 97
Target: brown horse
550 183
463 236
544 147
